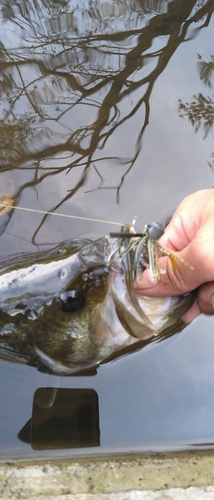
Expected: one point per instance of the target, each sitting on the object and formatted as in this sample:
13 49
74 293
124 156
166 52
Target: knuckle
177 278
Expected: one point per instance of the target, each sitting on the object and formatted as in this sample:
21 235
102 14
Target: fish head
70 309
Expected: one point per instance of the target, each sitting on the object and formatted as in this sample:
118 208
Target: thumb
186 275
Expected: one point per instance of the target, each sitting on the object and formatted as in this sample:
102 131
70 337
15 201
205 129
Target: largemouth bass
66 310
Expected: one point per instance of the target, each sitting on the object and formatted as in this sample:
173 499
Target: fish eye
155 230
72 300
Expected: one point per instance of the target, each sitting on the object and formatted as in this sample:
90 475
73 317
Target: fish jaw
115 322
107 330
56 367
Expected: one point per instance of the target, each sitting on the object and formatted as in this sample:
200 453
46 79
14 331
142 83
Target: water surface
91 99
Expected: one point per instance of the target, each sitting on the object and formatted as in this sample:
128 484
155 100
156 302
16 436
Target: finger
175 237
206 298
182 227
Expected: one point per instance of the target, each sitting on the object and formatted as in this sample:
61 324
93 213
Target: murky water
90 98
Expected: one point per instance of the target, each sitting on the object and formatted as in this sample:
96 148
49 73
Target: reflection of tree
200 111
68 80
205 70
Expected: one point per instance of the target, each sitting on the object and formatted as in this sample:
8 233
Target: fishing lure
145 250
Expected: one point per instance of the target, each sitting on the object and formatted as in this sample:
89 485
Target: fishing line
63 215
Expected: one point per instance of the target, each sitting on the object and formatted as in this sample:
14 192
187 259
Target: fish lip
58 368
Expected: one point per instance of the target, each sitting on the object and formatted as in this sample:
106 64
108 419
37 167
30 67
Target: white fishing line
63 215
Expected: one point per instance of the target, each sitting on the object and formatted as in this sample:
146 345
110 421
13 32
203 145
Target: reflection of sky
172 162
173 159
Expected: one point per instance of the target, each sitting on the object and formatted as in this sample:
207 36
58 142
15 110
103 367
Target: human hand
191 233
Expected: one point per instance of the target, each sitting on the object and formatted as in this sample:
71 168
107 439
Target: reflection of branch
69 195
